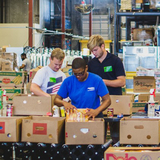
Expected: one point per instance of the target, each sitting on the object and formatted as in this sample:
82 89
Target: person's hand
91 113
69 106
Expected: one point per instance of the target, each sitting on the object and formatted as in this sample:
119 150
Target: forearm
59 102
104 105
37 90
119 82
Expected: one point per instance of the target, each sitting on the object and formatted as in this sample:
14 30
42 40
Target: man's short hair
95 40
78 63
58 53
23 54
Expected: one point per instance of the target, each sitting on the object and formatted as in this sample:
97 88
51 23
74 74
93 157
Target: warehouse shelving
128 15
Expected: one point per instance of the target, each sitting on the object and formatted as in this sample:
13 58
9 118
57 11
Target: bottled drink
4 104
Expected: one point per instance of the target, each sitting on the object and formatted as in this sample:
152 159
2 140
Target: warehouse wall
16 35
16 11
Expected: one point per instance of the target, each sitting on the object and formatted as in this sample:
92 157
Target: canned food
9 110
110 112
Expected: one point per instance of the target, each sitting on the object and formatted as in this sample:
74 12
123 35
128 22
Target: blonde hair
58 53
95 40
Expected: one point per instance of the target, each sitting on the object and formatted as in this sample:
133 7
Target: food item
77 115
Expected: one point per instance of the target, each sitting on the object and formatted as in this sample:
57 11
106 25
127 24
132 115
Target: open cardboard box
132 153
121 104
10 128
84 133
140 131
32 105
43 129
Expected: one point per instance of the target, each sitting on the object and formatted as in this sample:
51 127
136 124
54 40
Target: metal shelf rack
128 15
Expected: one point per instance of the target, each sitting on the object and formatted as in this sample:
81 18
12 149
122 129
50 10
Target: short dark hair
78 63
23 54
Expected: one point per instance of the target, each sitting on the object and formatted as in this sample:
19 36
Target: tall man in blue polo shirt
110 68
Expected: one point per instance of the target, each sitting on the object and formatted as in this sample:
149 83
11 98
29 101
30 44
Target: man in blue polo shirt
110 68
84 89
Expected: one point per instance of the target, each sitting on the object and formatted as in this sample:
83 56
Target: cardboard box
43 129
143 97
132 153
157 97
9 56
121 104
67 71
10 128
31 105
143 84
139 131
143 33
84 133
7 66
32 73
11 93
138 106
11 79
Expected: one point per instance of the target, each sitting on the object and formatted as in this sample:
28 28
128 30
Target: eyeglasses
79 74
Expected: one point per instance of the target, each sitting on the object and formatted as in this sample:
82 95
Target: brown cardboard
32 72
91 132
43 129
143 84
31 105
121 104
143 97
138 107
10 128
67 71
11 79
132 153
157 97
143 33
11 93
139 131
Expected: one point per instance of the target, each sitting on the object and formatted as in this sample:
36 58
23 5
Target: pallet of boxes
11 84
141 132
10 81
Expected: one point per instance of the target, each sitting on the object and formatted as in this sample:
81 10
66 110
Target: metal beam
30 24
137 13
63 23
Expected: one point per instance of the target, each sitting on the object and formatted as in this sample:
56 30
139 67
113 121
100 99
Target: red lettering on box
2 127
40 128
108 156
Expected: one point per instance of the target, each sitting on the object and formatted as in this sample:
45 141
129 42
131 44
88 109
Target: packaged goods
76 115
56 112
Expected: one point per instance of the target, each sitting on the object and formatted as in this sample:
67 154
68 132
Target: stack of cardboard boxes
13 83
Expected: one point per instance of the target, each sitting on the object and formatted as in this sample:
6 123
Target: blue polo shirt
84 94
